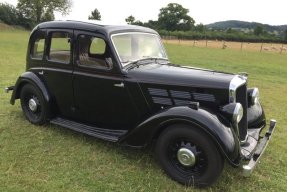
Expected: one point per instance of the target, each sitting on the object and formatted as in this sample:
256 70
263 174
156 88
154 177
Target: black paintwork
152 96
214 125
98 28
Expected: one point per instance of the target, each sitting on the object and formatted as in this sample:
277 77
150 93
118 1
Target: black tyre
33 104
189 156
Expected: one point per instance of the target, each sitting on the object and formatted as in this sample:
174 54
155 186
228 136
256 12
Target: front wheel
33 104
189 156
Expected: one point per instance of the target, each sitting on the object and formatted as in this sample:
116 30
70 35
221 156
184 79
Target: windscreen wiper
138 62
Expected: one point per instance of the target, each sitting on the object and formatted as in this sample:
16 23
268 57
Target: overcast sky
202 11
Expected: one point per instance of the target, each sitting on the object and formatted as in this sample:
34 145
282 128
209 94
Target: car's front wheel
33 104
188 156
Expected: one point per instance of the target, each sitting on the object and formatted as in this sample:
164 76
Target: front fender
32 78
224 137
256 116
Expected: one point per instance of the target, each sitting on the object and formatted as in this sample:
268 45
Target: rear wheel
188 156
33 104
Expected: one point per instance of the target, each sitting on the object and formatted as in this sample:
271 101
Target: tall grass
52 158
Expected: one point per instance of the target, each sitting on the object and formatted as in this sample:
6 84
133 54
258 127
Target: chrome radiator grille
241 97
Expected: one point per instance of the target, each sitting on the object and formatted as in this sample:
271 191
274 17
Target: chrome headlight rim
237 113
255 96
232 111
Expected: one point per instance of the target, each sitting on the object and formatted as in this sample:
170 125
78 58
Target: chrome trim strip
236 82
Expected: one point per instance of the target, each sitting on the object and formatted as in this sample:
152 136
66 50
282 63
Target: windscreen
134 46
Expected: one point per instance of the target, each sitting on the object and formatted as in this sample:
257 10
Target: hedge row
215 35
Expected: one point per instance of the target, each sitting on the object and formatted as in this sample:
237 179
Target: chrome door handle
119 85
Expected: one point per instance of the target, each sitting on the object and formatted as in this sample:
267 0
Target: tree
229 30
43 10
8 14
174 17
285 35
200 28
151 24
259 30
130 20
95 15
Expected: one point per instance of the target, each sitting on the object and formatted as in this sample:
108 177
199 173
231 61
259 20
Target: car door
101 96
57 69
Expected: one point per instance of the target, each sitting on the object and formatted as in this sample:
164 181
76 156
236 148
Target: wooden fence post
261 47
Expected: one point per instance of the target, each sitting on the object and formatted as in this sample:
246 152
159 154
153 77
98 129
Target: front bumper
259 150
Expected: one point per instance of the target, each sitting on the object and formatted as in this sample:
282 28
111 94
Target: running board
106 134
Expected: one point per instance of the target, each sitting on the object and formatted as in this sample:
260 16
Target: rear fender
224 137
31 78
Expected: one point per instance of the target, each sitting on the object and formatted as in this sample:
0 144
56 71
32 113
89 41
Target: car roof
93 25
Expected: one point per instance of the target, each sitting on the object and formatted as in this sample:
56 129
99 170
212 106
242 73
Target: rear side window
93 52
60 48
38 45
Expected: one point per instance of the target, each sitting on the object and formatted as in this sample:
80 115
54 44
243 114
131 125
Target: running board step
106 134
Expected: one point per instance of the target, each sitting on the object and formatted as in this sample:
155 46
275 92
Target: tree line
29 13
173 20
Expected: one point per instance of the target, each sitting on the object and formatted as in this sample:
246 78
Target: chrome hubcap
32 105
186 157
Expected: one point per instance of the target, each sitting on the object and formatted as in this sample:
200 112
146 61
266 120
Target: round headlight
233 111
237 113
255 96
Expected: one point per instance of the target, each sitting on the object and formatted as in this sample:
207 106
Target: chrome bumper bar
247 169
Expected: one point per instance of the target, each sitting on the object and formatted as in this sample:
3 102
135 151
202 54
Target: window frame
32 44
77 51
49 37
123 33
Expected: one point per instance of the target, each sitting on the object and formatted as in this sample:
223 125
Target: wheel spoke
200 163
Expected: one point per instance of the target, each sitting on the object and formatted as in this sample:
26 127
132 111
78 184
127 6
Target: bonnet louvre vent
203 97
158 92
180 94
163 101
174 97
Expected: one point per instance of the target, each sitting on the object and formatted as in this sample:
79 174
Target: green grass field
51 158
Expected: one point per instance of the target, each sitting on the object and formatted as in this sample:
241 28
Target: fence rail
261 47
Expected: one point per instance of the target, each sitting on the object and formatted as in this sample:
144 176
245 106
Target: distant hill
244 25
5 26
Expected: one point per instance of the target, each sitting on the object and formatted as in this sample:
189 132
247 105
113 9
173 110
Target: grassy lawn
52 158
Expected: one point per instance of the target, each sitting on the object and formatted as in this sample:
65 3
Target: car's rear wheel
188 156
33 104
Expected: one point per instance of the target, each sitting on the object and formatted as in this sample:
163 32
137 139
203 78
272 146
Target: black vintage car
116 83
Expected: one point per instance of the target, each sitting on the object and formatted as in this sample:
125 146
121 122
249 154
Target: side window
93 52
38 45
60 49
98 46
